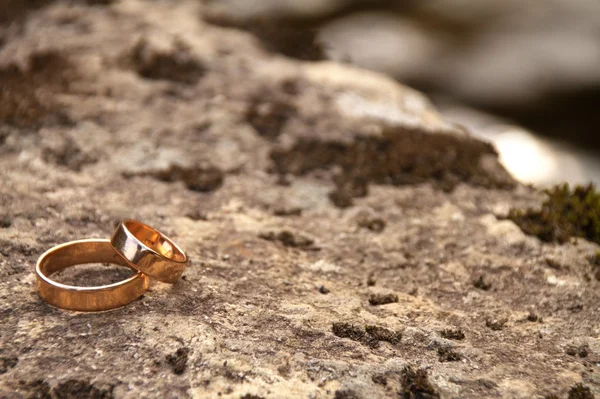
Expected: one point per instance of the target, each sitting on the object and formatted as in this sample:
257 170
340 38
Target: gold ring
149 251
96 298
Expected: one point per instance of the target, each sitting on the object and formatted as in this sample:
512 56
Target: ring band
86 298
149 251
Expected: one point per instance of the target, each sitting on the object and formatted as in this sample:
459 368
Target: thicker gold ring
149 251
86 298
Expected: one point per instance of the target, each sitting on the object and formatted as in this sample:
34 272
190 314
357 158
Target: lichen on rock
565 213
334 220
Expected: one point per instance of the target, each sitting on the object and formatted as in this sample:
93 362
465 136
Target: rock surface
491 52
346 241
523 61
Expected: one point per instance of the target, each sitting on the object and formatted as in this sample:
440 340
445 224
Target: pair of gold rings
133 244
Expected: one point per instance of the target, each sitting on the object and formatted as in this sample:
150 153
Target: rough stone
246 319
521 61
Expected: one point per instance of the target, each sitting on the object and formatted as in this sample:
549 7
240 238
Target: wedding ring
149 251
86 298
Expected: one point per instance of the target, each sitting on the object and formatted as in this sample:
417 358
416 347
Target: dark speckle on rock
355 333
142 109
371 281
383 334
581 350
323 289
553 264
7 363
178 360
9 248
382 299
197 215
81 389
532 317
346 394
370 335
67 153
495 324
21 101
379 379
482 284
575 308
595 262
376 225
450 333
415 384
197 178
288 238
580 391
268 113
287 211
36 389
341 199
176 64
446 354
284 36
5 221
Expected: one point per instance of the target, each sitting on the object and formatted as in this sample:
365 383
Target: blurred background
523 74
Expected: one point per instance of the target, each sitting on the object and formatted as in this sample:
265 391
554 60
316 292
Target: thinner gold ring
95 298
149 251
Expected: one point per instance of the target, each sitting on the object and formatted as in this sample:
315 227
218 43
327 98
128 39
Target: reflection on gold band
85 298
149 251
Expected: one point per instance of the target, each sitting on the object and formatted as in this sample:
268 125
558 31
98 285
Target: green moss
398 156
382 299
595 259
448 355
450 333
355 333
566 213
580 391
415 384
383 334
178 360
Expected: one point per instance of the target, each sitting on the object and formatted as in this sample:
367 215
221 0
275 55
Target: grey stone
246 318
